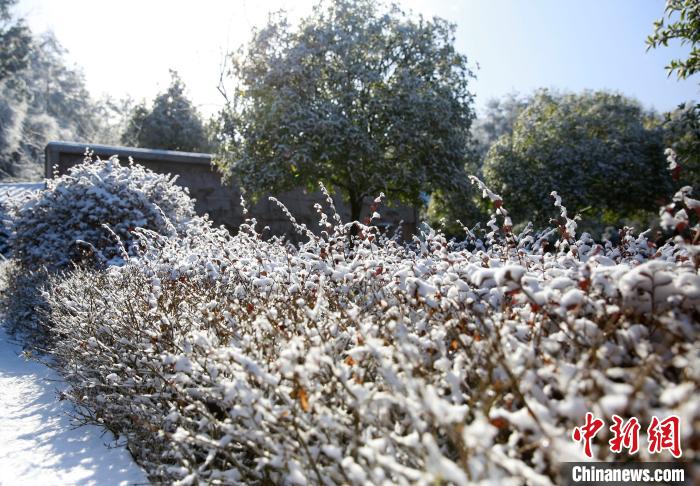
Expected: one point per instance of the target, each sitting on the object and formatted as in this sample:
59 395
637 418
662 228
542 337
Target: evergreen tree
172 123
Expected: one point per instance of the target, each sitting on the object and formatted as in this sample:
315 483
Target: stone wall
220 201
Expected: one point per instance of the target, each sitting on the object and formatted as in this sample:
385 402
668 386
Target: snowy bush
92 211
23 303
224 359
85 217
5 223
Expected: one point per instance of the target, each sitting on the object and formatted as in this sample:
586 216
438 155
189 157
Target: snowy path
38 444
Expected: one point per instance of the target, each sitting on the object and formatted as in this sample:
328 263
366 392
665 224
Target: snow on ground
38 442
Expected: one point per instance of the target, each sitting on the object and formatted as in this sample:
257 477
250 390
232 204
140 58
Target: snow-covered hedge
229 358
5 224
90 209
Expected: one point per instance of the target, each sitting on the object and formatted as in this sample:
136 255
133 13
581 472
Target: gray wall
221 202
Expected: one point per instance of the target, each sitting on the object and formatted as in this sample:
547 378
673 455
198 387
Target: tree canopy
598 150
172 123
361 97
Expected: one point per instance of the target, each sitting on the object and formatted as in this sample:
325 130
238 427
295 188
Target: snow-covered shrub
12 196
5 223
682 216
93 209
85 217
23 303
229 359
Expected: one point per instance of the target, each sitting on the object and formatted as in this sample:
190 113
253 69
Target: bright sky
126 47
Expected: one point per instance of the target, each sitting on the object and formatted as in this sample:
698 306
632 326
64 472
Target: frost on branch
681 218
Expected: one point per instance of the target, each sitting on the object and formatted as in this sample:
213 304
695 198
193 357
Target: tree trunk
355 207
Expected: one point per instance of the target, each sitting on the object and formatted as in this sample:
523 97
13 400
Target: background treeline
602 151
43 98
405 125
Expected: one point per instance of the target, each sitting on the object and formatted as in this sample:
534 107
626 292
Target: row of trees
43 98
37 96
368 99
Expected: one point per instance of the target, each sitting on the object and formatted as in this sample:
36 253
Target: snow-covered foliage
359 95
91 212
5 223
682 136
497 119
229 359
43 97
11 196
172 123
46 100
576 144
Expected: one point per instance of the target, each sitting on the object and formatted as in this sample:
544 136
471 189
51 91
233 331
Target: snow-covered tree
173 122
447 209
596 149
46 100
114 115
682 135
497 120
15 39
365 98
